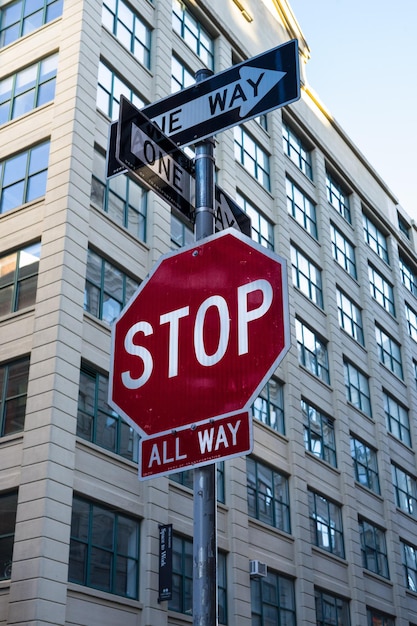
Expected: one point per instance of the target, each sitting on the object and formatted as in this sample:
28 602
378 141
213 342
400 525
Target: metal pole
205 501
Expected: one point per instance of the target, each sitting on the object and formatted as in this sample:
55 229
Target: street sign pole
205 501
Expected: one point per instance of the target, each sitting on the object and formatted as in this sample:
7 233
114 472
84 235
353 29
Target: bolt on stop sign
199 339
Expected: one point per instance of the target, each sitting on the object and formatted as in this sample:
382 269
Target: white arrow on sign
243 94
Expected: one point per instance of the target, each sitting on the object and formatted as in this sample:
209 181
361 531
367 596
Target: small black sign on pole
165 562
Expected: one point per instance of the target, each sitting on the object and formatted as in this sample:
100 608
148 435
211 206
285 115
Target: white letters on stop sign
245 316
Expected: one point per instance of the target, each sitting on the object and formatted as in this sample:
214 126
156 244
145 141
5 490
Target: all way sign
254 87
220 438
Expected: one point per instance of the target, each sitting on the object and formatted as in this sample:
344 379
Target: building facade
327 500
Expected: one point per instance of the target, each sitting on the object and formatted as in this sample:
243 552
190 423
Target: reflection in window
319 436
8 506
13 392
268 407
326 524
268 495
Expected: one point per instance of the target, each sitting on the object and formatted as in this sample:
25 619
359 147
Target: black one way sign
254 87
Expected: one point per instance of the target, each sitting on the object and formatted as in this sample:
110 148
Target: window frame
47 16
363 402
262 228
8 510
409 560
389 352
118 190
135 41
111 86
88 545
381 290
350 317
309 358
33 167
338 197
377 549
97 292
301 208
343 251
405 490
307 280
249 151
190 29
319 431
375 238
400 419
338 606
33 88
273 595
296 150
267 488
13 393
326 528
269 411
365 464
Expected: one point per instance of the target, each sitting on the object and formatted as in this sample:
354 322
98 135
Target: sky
363 67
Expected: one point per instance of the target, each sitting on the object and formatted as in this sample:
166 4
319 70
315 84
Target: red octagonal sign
197 342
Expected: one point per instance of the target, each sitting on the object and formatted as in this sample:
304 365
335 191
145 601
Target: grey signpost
193 115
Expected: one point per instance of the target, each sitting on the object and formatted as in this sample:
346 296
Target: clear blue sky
363 67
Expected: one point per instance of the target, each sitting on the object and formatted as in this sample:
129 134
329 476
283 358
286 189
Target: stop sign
201 335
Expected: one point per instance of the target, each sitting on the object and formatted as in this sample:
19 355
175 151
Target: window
343 252
337 195
312 352
403 226
97 422
262 229
107 288
411 317
405 490
319 436
375 238
181 234
397 420
410 565
389 352
373 548
350 317
301 208
8 506
376 618
268 495
23 177
365 464
186 478
273 600
195 36
13 392
306 276
331 610
268 407
295 148
408 276
357 388
182 579
104 548
110 88
326 524
128 28
23 16
253 158
181 77
30 88
19 278
381 290
122 198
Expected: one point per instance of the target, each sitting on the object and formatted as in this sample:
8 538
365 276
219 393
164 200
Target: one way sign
254 87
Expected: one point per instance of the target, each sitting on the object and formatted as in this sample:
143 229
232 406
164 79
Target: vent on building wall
257 569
